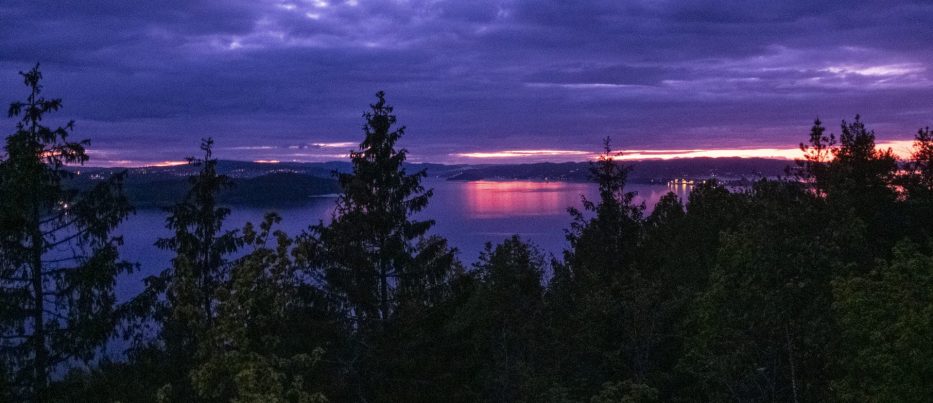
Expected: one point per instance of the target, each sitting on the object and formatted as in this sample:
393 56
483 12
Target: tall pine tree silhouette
374 258
182 299
58 260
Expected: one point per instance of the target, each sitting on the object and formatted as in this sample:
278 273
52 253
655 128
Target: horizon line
901 148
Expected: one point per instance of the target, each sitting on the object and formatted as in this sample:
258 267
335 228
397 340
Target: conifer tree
599 263
921 162
918 184
601 243
857 181
58 260
182 299
374 257
817 154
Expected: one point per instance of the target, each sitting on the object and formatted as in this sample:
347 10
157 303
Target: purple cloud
145 81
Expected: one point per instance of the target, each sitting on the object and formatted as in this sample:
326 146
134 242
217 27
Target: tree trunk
383 281
40 364
384 291
790 359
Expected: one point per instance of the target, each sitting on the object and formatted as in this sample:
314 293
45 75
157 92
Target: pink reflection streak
490 199
495 199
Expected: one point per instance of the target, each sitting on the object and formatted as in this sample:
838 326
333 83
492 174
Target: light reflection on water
489 199
468 214
492 199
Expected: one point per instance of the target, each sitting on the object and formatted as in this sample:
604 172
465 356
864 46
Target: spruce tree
599 263
600 244
58 259
374 257
182 299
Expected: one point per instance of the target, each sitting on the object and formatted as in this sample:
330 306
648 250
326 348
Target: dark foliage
58 262
810 288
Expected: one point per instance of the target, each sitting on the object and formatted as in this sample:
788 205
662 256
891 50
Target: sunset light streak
524 153
339 144
137 164
901 148
167 164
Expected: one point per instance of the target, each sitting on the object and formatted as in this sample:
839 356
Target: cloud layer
283 79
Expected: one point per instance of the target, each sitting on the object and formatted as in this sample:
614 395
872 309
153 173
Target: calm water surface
468 214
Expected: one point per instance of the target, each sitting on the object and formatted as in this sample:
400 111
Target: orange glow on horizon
901 148
775 153
524 153
162 164
337 144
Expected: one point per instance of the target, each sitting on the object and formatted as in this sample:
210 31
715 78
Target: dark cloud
146 80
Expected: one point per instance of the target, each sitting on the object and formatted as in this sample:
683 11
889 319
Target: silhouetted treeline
812 288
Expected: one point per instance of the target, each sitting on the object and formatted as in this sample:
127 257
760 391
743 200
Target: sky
472 80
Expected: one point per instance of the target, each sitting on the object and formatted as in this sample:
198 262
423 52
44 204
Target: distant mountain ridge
644 171
295 182
277 188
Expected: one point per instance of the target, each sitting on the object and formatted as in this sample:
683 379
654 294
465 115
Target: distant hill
296 182
647 171
248 169
161 190
279 188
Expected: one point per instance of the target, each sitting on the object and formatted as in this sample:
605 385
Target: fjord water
468 214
